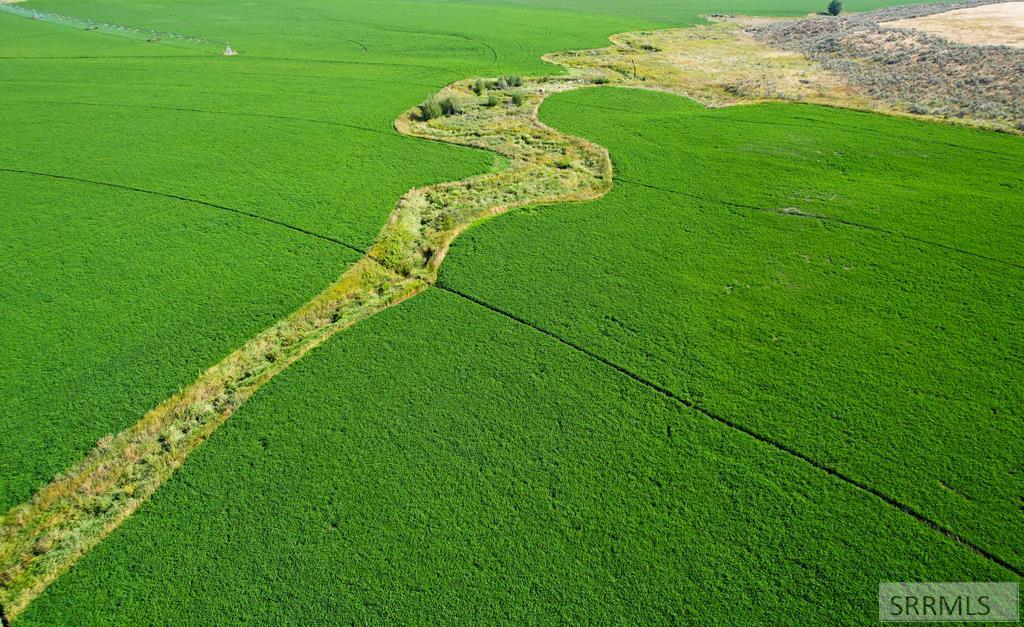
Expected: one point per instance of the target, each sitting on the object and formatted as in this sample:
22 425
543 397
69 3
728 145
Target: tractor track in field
239 114
44 537
739 427
799 213
436 33
195 201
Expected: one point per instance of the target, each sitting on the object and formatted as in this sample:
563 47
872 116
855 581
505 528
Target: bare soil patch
990 25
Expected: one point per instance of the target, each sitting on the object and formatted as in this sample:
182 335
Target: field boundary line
736 426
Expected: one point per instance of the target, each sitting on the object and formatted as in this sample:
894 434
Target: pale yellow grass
721 64
988 25
717 64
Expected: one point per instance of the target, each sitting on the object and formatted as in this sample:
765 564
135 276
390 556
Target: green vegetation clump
431 108
492 100
436 106
507 82
518 97
451 106
835 7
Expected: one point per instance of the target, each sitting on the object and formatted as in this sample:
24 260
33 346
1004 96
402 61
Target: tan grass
717 64
989 25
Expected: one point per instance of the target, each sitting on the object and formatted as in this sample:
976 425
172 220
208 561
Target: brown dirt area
989 25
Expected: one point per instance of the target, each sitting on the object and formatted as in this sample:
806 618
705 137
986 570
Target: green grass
231 133
442 462
502 477
892 360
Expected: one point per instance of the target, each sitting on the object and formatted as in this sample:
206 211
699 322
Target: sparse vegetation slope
910 69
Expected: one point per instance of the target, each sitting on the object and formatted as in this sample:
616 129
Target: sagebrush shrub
451 106
925 73
435 107
431 108
504 82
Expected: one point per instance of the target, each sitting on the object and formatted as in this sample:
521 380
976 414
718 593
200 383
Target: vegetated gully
42 538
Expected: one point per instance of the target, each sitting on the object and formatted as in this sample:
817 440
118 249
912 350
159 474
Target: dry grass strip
743 60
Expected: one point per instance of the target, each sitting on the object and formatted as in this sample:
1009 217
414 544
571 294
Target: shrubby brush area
924 73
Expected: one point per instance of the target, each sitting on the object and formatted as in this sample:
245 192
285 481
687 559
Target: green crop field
779 363
883 339
505 478
98 286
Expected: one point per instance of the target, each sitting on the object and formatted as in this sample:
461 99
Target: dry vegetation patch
990 25
718 65
853 62
910 70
